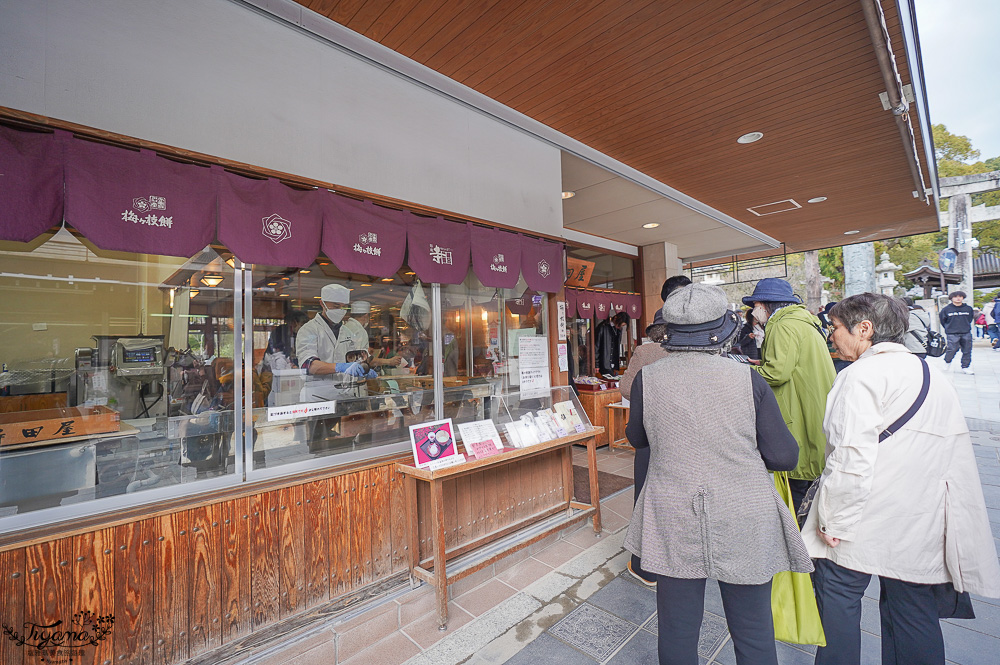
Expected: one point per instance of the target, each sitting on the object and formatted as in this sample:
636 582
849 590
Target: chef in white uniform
322 344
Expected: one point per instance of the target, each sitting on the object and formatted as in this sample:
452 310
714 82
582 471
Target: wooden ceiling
666 87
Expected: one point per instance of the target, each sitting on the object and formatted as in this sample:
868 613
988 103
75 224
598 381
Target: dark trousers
799 488
911 630
640 466
958 341
680 605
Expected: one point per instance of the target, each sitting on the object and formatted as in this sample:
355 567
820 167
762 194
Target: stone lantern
886 271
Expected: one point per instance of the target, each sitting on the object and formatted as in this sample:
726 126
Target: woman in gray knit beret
709 508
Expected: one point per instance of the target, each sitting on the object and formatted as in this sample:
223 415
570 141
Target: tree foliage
953 153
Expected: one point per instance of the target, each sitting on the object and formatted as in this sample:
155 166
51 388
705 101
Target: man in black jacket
956 319
608 343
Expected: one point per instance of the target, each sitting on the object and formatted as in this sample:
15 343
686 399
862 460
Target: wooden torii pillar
961 216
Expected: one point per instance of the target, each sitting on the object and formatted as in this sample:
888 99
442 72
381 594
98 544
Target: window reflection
117 371
344 361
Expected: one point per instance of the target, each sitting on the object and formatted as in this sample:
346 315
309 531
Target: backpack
934 344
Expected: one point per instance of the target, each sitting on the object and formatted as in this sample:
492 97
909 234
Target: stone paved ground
588 610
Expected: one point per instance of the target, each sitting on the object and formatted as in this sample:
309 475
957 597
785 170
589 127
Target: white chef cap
361 307
335 293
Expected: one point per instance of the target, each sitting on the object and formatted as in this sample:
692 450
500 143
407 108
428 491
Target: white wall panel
217 77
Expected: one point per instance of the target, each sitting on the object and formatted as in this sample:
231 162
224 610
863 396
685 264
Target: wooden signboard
579 272
56 424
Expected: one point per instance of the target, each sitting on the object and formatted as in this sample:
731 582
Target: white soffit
614 207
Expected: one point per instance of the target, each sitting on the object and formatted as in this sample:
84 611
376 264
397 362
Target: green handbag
793 602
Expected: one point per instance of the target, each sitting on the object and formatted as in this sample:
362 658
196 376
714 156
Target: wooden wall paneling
449 494
397 521
264 558
361 527
424 520
341 568
205 565
134 590
316 541
381 521
13 575
492 492
291 559
477 503
503 497
171 586
463 506
236 598
93 594
47 592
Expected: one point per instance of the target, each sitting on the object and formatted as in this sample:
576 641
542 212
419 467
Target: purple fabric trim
569 295
137 202
634 306
266 222
542 264
602 304
523 304
496 256
438 250
31 184
363 238
585 304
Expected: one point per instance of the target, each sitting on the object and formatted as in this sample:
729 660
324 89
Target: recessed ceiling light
272 283
305 272
317 297
366 285
387 279
818 199
851 233
284 295
750 137
651 225
568 195
410 273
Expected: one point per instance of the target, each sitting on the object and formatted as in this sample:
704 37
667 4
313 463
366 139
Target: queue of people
880 456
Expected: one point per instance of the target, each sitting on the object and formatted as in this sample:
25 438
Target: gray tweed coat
708 508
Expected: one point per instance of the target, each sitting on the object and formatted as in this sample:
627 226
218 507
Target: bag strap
905 418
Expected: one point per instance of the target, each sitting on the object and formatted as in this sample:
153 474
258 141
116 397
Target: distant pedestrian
795 362
916 332
709 507
980 324
992 311
956 319
901 500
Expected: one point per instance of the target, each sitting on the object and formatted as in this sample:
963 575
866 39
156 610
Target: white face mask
335 314
760 314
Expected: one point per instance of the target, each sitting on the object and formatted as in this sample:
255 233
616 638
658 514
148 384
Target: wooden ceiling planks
667 86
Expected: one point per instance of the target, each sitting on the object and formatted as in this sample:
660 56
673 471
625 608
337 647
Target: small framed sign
434 445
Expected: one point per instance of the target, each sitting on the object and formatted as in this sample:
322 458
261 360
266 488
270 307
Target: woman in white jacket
909 509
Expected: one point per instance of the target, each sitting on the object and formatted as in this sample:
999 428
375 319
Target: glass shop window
343 363
117 371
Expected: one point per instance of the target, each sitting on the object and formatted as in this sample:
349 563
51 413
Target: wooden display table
616 413
572 511
595 405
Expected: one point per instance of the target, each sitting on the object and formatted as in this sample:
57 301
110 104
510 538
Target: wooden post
440 576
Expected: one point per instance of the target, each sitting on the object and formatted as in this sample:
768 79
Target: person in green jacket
796 363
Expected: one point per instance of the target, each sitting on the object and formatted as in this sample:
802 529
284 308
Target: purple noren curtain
542 264
31 184
438 250
363 238
496 257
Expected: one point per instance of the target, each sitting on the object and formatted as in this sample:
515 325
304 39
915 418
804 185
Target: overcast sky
958 39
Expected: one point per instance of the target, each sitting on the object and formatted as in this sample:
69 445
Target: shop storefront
209 379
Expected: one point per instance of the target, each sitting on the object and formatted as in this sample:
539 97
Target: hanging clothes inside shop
608 343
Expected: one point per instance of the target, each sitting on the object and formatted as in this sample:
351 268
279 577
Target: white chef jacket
911 507
315 339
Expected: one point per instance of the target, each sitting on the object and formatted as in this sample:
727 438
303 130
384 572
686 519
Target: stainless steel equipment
125 373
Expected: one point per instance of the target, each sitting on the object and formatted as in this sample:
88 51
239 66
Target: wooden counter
595 405
459 509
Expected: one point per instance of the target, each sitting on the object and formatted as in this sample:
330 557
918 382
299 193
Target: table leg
412 527
595 491
440 576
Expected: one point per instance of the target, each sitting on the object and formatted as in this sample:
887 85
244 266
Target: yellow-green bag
793 602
